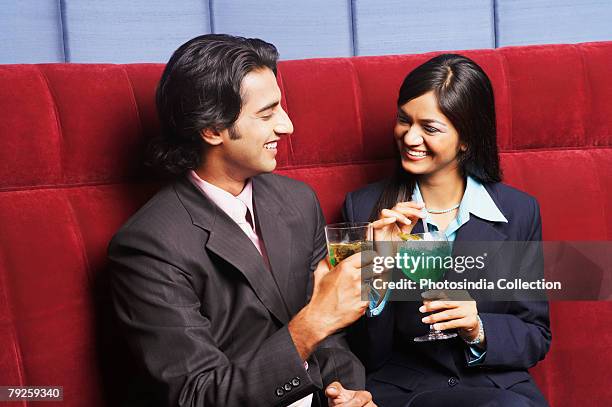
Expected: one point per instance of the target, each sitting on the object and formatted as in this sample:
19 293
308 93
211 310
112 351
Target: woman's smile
415 155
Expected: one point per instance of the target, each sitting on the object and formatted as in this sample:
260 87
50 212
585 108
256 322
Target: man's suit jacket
517 333
203 313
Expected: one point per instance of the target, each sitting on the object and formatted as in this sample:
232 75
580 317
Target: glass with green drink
431 249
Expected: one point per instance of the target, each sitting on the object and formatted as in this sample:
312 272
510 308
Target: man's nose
283 127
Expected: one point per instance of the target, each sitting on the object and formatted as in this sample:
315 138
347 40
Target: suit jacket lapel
277 237
475 230
479 230
418 228
229 242
477 237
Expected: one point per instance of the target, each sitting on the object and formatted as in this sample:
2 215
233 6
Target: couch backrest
71 148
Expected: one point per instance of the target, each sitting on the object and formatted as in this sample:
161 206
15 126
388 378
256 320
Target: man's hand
336 299
339 396
336 302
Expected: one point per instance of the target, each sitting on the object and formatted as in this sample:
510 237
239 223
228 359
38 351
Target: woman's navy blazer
517 332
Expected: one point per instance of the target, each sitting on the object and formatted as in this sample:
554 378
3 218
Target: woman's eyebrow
401 113
434 121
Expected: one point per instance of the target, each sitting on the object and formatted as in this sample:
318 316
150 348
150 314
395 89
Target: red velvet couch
71 148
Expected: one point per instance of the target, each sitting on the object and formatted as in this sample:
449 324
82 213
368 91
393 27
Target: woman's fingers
400 217
430 306
412 204
452 314
406 229
403 215
381 223
409 212
446 315
461 323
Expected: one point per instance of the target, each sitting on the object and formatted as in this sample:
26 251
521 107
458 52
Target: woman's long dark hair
465 96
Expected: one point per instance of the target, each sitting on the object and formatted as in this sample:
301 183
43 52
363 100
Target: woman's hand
447 314
391 222
399 219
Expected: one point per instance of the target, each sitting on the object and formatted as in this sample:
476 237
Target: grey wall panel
299 29
521 22
131 31
414 26
33 31
30 31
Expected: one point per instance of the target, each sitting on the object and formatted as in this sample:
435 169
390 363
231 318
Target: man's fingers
337 395
361 259
322 269
333 390
360 399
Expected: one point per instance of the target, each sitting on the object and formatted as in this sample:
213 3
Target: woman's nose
413 137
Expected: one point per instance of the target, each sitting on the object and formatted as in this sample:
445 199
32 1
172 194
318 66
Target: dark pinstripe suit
202 312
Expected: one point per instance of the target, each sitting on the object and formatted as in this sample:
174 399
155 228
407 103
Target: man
211 278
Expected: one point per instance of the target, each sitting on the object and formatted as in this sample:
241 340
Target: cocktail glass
433 248
347 238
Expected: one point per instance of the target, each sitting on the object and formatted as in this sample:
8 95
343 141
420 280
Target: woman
449 175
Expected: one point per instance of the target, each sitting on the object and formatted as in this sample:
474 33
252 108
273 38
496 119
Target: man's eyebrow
268 107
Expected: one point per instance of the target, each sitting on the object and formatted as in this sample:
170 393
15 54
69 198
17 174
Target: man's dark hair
200 89
465 96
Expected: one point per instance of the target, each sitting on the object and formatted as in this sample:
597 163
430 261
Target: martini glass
432 248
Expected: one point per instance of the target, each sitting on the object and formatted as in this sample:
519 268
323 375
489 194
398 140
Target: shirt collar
234 206
476 201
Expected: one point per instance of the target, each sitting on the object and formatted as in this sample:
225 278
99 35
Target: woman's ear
211 136
463 147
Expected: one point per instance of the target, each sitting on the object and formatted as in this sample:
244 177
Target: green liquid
426 260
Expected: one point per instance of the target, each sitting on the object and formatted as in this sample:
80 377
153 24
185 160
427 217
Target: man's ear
211 136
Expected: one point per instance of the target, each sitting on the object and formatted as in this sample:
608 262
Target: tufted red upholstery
71 148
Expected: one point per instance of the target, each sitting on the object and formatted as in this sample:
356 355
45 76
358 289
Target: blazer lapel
277 237
229 242
477 237
475 230
418 228
479 230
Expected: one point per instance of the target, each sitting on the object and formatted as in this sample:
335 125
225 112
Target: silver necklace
439 211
